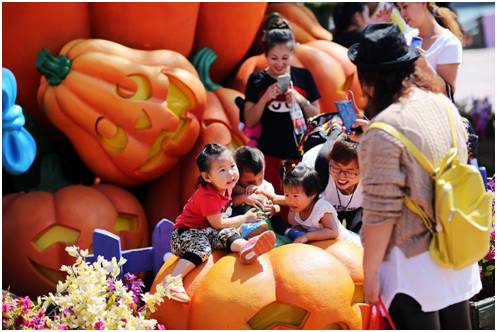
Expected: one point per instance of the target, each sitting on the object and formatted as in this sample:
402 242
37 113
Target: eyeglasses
336 170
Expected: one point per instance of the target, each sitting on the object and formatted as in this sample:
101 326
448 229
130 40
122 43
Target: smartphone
416 41
284 82
347 113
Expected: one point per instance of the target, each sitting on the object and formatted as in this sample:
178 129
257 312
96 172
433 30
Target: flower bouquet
91 297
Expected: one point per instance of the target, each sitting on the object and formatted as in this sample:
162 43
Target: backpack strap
452 124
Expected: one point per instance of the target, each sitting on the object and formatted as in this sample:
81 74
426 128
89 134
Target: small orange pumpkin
129 114
295 286
331 69
37 226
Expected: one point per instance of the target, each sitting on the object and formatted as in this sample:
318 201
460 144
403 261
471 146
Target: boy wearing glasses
340 178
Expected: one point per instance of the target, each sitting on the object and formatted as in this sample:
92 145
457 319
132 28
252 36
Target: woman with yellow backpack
410 258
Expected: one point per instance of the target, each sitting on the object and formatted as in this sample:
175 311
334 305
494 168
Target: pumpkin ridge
154 58
82 130
53 95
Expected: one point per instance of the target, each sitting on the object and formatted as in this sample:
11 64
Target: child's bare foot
257 246
175 289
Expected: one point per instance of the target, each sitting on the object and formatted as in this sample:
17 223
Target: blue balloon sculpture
18 146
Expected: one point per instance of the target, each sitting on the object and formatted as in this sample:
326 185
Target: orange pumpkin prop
304 23
28 27
146 26
228 29
331 69
130 114
37 226
296 286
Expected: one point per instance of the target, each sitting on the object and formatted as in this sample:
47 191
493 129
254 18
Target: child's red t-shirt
205 201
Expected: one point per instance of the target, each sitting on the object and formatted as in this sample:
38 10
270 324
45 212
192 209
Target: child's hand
255 201
251 189
269 209
253 215
268 195
301 239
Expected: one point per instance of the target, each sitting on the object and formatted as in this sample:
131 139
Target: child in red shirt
202 226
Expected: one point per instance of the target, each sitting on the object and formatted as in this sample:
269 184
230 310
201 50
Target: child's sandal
175 290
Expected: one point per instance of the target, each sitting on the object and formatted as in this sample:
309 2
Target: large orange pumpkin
146 25
229 30
37 226
28 27
305 25
331 69
129 114
295 286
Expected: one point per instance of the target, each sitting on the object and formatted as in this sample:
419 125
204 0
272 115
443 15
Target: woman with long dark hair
397 264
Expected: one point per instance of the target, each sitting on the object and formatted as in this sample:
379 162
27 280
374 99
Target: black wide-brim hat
382 46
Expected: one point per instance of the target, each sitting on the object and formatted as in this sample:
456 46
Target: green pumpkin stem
202 61
55 69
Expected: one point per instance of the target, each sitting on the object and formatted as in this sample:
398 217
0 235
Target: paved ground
476 77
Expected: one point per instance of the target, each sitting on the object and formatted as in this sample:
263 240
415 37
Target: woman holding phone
441 48
272 94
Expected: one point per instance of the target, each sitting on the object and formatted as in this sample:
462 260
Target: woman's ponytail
446 18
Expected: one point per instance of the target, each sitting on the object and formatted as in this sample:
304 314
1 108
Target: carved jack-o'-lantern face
37 227
295 286
130 114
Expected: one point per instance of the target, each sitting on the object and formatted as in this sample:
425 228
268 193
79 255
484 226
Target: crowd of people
352 186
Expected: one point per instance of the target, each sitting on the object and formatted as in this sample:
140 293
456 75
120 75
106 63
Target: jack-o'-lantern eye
126 222
134 87
55 234
113 137
278 316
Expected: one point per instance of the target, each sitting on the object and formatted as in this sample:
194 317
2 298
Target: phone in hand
416 41
347 113
283 82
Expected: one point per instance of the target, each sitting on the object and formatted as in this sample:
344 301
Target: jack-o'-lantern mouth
54 276
178 103
278 316
281 316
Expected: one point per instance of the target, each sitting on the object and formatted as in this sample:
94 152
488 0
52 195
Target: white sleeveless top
313 222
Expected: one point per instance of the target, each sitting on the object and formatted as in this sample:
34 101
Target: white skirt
432 286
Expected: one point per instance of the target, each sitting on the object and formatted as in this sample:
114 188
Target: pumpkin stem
55 69
202 61
51 176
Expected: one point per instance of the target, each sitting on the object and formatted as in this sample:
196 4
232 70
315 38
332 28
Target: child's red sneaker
256 246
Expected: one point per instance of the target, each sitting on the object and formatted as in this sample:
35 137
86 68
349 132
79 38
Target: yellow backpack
462 207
